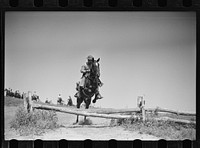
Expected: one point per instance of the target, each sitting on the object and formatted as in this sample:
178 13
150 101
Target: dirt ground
99 130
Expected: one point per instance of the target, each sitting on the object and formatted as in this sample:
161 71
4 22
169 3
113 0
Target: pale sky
150 53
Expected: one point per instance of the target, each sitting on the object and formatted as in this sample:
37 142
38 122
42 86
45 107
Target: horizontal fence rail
80 112
137 110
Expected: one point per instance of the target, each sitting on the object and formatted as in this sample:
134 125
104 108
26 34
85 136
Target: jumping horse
90 87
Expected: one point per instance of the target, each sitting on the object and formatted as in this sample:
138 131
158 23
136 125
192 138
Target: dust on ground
99 130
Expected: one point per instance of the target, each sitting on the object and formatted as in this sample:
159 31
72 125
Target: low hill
11 101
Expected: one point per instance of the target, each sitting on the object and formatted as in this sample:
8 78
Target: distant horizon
141 53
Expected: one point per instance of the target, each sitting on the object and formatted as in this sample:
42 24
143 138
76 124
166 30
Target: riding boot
77 95
98 96
77 85
100 84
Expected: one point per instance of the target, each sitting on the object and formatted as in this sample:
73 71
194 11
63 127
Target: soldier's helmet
90 58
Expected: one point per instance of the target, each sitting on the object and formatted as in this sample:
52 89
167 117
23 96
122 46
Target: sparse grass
191 118
162 129
33 123
11 101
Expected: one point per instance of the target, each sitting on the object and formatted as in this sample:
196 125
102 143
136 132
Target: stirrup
98 97
101 84
76 95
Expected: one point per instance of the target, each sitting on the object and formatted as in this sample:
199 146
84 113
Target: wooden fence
131 113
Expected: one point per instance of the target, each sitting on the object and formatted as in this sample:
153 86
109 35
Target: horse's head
95 70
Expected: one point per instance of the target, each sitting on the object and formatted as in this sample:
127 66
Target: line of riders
16 94
60 101
9 93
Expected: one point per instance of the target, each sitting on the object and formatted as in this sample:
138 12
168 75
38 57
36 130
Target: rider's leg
77 85
77 88
76 95
82 82
97 96
100 83
80 87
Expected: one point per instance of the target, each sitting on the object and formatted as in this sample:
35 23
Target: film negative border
97 4
99 144
104 5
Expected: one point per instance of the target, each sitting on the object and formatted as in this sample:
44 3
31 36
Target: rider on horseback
85 70
59 101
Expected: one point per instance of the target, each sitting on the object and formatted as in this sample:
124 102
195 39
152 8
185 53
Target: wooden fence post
28 101
25 101
143 114
141 103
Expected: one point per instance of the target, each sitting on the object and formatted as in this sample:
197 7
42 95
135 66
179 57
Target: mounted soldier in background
70 103
35 96
60 100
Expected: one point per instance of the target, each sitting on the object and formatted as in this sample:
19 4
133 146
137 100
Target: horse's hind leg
78 106
79 101
77 118
87 102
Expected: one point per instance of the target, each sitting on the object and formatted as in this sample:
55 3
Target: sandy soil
99 130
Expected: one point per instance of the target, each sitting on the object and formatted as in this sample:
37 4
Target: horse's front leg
77 118
87 102
86 107
85 119
79 101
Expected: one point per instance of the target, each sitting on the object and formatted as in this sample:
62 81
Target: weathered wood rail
137 110
174 120
170 111
80 112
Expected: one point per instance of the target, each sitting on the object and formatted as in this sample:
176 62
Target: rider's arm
84 69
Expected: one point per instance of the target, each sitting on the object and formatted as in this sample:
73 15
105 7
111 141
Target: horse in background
90 87
48 102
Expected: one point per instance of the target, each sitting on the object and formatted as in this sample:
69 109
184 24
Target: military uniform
85 70
59 99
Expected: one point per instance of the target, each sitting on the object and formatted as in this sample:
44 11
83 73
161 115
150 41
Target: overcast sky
150 53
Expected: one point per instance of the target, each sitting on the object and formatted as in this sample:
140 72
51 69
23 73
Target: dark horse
90 87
